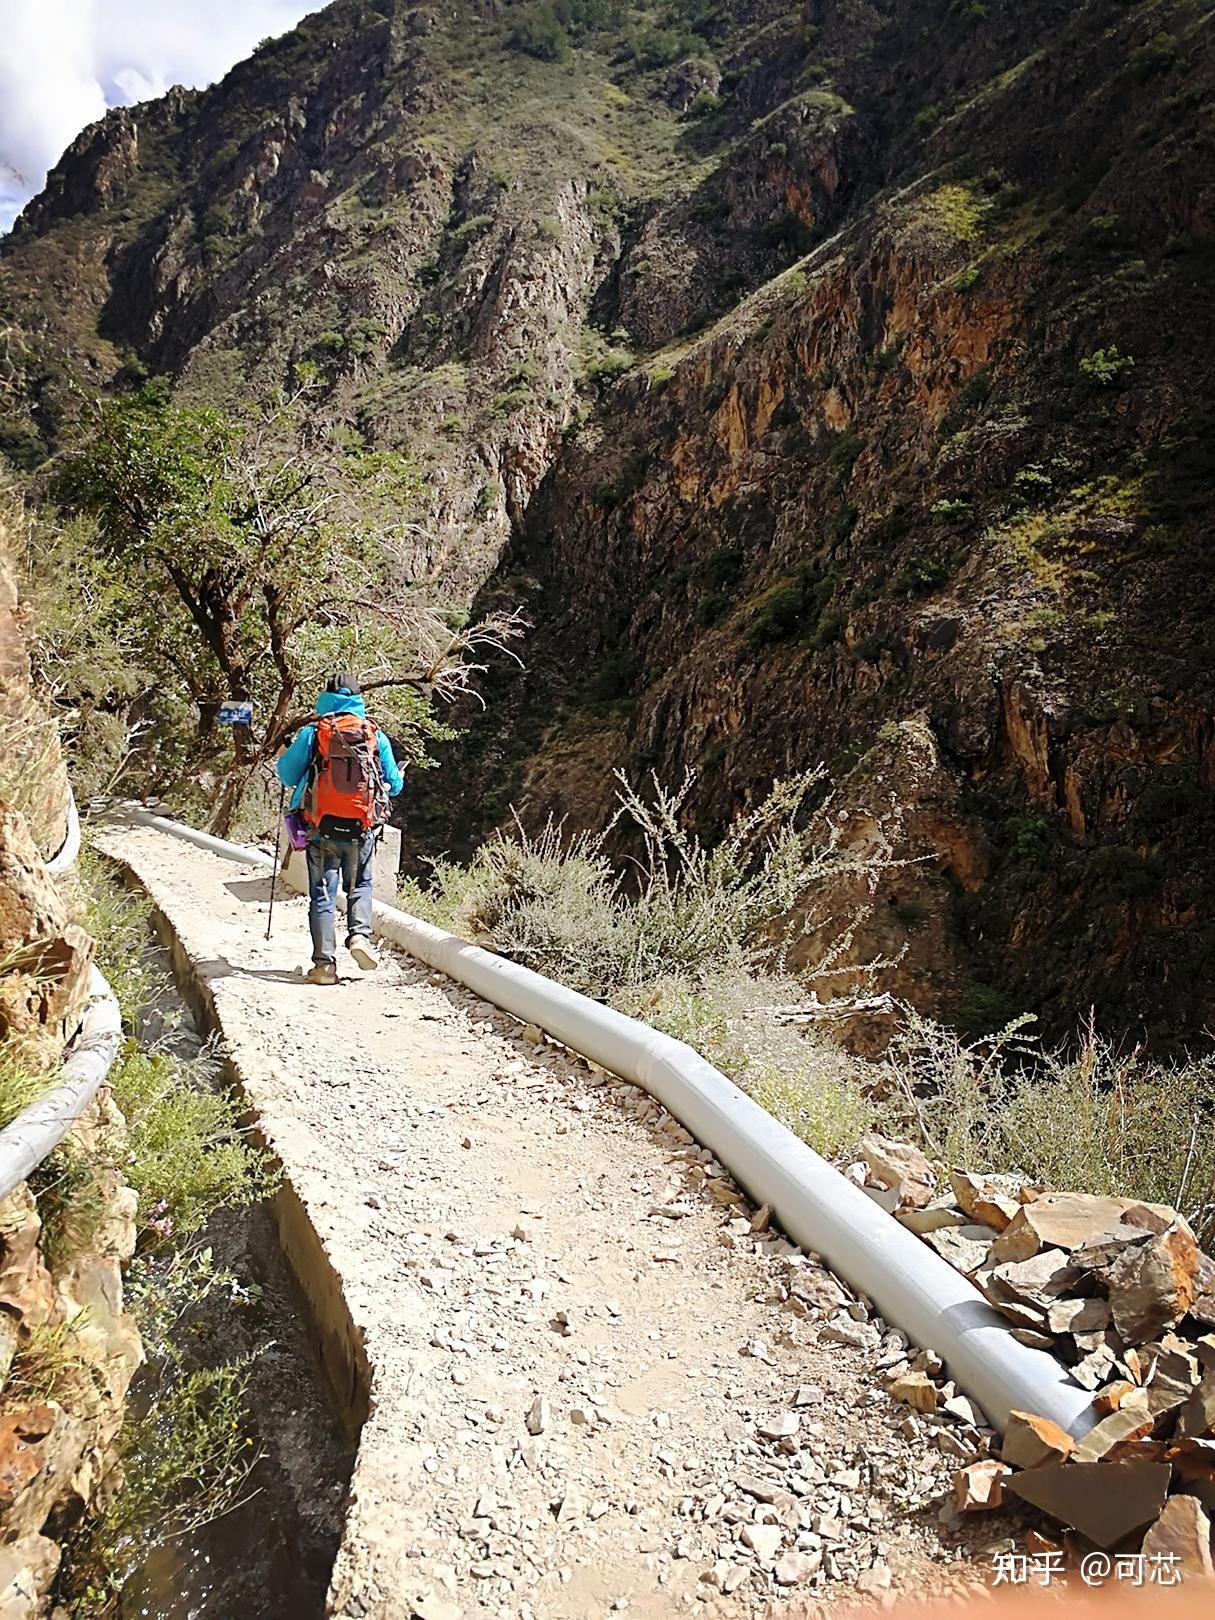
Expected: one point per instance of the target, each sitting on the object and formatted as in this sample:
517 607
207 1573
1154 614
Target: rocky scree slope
828 382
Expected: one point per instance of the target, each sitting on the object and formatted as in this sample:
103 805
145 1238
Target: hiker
343 772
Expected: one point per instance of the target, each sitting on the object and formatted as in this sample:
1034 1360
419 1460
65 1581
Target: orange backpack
346 794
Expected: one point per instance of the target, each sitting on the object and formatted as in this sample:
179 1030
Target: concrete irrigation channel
585 1375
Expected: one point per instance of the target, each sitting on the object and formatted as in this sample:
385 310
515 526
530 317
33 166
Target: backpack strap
308 805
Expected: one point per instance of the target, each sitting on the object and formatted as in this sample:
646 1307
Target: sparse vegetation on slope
693 951
184 1448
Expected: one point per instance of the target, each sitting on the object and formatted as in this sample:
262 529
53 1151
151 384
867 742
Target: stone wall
68 1350
33 778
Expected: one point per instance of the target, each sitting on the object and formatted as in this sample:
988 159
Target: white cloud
62 62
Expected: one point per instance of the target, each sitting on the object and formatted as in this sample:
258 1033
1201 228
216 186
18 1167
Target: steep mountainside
830 382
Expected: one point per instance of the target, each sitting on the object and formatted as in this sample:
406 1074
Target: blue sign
236 714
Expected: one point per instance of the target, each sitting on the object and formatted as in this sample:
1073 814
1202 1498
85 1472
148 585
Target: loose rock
980 1486
1104 1501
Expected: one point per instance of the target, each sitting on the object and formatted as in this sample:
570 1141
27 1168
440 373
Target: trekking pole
278 833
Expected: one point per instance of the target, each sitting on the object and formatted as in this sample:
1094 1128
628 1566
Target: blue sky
63 62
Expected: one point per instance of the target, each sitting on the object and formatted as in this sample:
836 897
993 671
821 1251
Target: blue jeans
329 858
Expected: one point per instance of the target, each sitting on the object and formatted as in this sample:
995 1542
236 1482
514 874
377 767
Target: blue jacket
292 766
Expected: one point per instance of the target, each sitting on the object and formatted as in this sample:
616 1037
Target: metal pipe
912 1286
42 1126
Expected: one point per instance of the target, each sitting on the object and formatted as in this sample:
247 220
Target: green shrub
1105 231
1156 55
1025 838
922 575
21 442
721 573
514 399
723 567
794 285
953 509
1124 872
705 104
632 475
217 220
581 17
187 1152
224 157
795 607
20 1082
1162 803
655 47
120 921
954 211
788 232
488 497
1032 482
1107 368
972 395
778 616
540 33
843 456
614 676
606 367
469 229
843 520
184 1459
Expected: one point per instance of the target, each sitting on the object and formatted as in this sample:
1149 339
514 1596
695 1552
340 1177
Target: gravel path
599 1383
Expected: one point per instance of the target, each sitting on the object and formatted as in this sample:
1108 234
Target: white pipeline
43 1125
68 852
910 1285
38 1129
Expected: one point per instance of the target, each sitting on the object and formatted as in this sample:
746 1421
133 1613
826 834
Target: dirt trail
595 1388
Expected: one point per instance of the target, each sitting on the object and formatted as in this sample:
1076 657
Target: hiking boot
322 973
364 954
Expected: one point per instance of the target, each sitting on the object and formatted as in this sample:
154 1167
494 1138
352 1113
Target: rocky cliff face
45 956
829 382
68 1350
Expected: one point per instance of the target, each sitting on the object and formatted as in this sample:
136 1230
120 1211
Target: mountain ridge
804 375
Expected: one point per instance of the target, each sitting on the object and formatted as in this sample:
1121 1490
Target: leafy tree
541 33
252 562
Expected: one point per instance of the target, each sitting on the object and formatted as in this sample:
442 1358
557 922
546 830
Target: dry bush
692 945
746 1024
562 906
1095 1119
